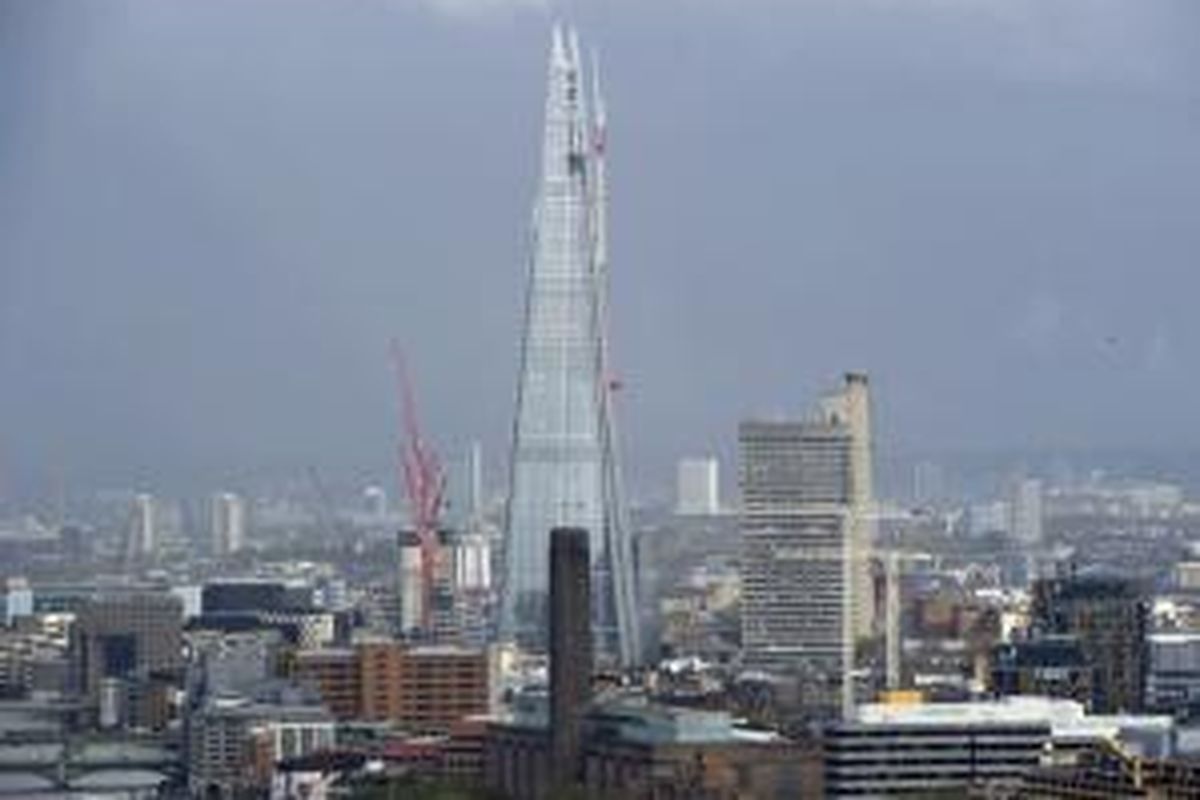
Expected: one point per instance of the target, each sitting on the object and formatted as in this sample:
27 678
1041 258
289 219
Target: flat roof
1066 718
1175 637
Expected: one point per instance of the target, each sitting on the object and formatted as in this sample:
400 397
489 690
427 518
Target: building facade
228 518
421 689
142 537
805 535
1113 773
1109 615
336 675
697 487
655 753
974 748
894 760
1026 508
1050 666
1173 686
235 743
128 646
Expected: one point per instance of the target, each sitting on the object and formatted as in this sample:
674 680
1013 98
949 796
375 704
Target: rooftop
1066 719
1175 637
636 720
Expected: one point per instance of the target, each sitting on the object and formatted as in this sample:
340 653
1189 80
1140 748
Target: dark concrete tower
570 647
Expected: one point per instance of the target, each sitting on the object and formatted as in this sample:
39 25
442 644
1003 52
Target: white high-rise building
411 592
228 517
1026 509
806 515
697 486
143 525
472 562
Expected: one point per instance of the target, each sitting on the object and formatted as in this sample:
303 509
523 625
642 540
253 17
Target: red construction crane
423 481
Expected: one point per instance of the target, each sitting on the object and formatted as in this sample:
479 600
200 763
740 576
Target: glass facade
563 467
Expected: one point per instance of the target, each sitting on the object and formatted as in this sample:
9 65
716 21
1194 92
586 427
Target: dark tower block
570 648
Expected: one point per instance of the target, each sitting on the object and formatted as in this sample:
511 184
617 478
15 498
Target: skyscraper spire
557 50
564 467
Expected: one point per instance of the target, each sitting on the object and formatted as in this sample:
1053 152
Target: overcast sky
215 213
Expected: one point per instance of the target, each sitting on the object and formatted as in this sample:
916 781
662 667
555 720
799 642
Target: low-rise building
235 743
896 749
421 689
220 662
31 662
1173 686
643 751
879 760
336 675
1112 773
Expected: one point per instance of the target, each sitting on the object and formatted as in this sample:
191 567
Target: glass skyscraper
564 470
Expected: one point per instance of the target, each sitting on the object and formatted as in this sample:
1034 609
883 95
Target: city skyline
1073 326
859 460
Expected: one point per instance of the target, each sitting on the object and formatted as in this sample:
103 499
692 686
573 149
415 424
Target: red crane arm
422 478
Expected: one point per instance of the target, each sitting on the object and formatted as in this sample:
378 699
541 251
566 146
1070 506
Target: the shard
564 467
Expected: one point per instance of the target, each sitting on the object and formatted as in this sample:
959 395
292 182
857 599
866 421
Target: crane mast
423 482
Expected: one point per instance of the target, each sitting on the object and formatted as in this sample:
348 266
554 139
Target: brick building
423 689
646 752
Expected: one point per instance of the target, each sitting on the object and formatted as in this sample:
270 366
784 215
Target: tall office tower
564 464
697 486
807 594
1026 510
797 549
472 561
141 537
228 523
570 648
471 583
410 585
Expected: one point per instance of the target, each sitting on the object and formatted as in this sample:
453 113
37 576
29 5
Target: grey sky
213 215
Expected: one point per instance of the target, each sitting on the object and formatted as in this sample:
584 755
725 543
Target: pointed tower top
558 54
573 48
598 109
